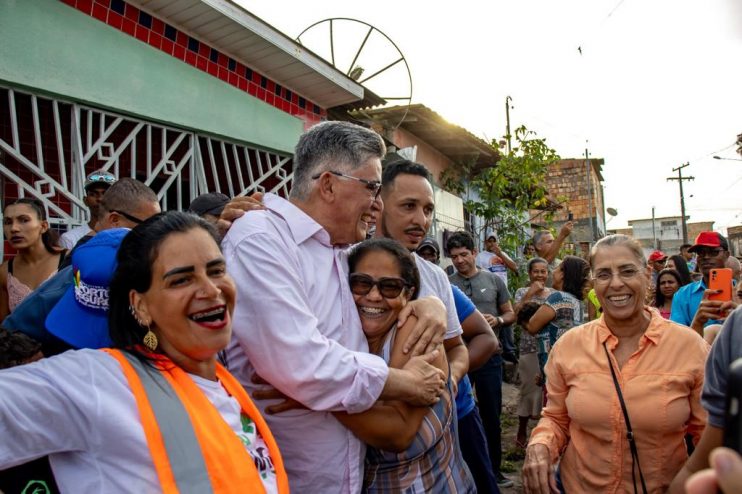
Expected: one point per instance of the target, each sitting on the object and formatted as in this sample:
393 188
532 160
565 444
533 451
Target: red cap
709 239
657 255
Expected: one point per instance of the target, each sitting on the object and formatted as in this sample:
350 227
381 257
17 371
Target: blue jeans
473 445
488 383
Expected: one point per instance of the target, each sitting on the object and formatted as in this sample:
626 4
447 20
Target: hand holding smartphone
721 281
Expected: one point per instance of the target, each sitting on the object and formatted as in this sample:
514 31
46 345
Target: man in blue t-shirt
712 251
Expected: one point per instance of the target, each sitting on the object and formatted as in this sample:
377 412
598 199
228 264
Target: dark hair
460 239
332 145
527 245
526 312
536 260
49 238
685 246
125 194
402 167
406 263
16 348
659 299
135 257
576 272
681 266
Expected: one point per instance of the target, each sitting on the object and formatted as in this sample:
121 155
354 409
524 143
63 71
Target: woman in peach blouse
657 366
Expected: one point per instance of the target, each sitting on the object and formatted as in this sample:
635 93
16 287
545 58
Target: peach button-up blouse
583 422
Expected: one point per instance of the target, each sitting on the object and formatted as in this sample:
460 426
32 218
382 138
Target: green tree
504 194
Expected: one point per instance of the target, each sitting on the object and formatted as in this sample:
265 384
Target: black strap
629 432
10 265
62 255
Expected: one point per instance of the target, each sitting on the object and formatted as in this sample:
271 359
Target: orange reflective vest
193 448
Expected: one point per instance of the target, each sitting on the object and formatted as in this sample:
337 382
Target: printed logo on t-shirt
256 447
36 487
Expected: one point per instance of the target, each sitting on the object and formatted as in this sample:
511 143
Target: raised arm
46 407
557 245
506 259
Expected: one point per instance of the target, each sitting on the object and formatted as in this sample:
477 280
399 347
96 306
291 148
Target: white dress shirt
296 325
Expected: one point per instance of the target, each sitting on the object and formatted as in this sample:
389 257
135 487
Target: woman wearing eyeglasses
630 373
411 449
38 255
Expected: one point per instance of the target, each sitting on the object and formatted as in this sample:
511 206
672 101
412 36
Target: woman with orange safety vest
157 413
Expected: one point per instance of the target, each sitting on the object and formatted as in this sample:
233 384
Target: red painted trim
155 37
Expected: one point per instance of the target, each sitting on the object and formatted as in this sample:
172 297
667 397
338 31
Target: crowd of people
314 344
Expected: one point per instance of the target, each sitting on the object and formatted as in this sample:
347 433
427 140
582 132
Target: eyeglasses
626 274
373 185
129 217
362 284
708 252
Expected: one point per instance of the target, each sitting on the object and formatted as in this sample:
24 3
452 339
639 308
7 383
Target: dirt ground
512 456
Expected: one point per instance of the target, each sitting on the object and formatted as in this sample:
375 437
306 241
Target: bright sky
658 83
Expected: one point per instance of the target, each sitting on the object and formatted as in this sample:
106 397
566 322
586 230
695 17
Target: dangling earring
150 338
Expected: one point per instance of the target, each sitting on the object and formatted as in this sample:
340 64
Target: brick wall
567 178
566 182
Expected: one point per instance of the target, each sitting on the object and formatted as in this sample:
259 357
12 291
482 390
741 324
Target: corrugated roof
455 142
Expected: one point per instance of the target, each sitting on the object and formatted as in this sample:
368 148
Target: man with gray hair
295 323
734 264
547 247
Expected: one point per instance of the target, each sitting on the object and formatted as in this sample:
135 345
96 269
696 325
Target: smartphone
721 279
570 216
733 410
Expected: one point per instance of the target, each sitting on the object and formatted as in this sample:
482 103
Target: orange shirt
583 422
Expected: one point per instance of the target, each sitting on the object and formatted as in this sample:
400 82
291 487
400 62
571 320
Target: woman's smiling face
191 299
620 282
378 313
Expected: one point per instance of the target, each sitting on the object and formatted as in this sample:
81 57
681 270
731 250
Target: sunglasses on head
96 177
362 284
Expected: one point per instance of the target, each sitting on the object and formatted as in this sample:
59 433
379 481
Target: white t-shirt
433 281
492 263
78 409
71 237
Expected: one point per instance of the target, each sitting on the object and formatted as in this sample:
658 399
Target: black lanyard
629 432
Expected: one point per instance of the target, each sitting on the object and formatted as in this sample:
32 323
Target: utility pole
654 232
508 99
680 179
